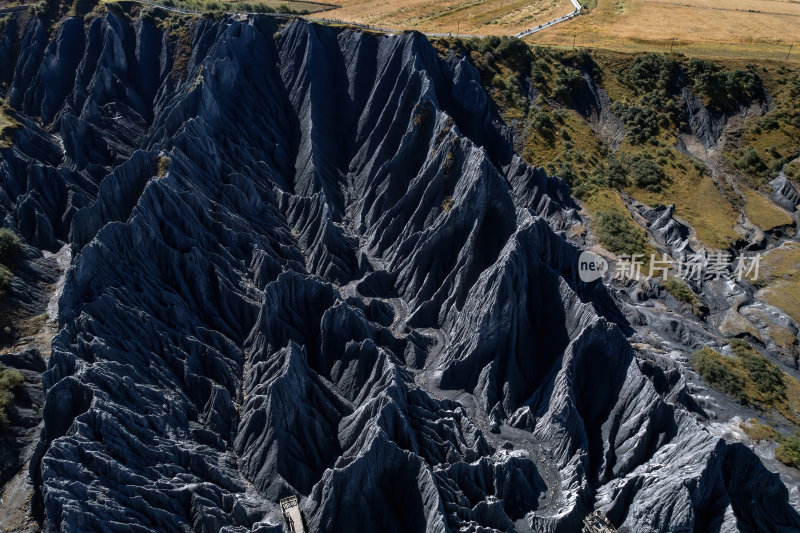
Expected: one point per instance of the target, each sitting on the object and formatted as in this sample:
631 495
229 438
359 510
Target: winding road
537 29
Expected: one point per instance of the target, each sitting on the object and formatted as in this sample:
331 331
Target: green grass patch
764 213
758 431
788 450
618 233
7 125
683 293
750 378
698 200
10 381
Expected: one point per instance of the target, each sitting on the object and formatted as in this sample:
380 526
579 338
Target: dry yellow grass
764 213
698 201
479 17
779 273
710 28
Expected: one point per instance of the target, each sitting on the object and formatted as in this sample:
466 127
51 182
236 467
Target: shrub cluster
714 370
9 251
788 450
747 376
619 233
653 72
636 169
725 89
10 380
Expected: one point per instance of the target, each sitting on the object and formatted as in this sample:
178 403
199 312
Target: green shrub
724 89
568 80
5 280
641 123
714 370
10 246
652 71
542 124
767 378
750 162
10 380
616 173
45 9
647 174
788 450
619 233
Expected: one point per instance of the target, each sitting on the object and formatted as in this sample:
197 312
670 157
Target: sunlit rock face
307 261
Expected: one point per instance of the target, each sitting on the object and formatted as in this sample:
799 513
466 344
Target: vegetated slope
309 261
678 157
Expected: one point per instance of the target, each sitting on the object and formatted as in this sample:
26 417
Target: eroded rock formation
346 286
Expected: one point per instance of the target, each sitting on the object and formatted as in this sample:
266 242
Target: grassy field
707 28
764 213
780 277
697 200
479 17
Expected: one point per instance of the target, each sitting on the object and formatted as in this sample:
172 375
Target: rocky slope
306 260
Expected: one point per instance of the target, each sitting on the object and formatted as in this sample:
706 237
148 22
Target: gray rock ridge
342 219
667 231
784 193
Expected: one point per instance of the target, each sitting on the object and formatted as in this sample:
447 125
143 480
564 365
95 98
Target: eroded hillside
308 260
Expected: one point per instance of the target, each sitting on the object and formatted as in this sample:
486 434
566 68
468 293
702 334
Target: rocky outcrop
345 286
667 231
784 193
706 123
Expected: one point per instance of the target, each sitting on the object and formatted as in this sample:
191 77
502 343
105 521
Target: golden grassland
697 200
479 17
764 213
757 29
779 274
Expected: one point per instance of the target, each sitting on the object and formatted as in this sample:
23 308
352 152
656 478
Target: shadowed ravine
346 286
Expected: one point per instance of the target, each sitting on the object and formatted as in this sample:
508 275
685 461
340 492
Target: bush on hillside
10 246
725 89
650 72
711 366
616 173
619 233
788 450
647 174
751 163
10 380
641 123
568 80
